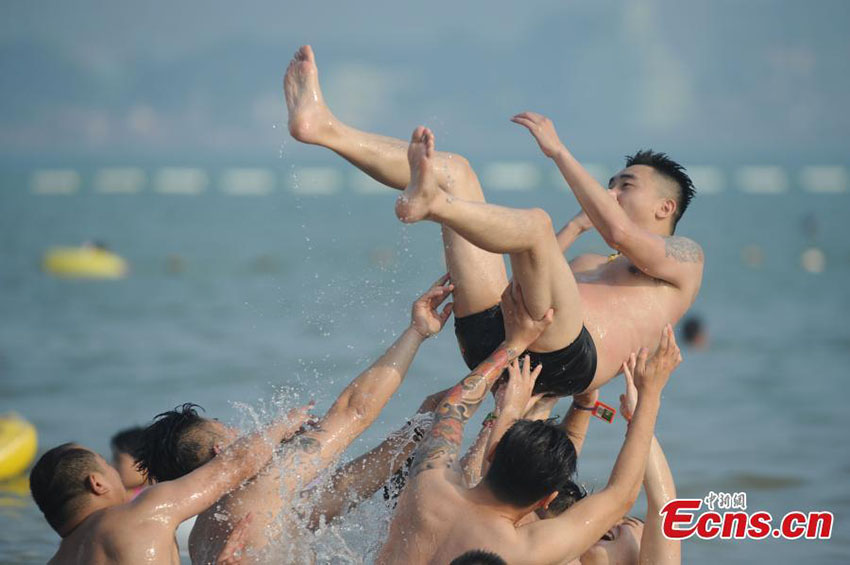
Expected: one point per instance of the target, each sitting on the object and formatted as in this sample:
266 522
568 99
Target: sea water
233 299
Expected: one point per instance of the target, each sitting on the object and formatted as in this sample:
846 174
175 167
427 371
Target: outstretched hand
652 373
521 330
516 394
543 131
425 319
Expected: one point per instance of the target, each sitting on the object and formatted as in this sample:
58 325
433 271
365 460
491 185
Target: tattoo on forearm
683 249
309 445
441 445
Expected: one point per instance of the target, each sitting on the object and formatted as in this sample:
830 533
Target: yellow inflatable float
88 261
18 444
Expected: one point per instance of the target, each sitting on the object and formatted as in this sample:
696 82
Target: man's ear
666 209
547 500
96 483
217 448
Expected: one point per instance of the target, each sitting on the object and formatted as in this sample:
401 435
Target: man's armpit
682 249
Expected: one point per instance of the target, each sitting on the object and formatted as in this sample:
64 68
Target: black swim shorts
565 372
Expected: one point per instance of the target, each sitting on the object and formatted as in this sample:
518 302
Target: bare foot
414 204
309 117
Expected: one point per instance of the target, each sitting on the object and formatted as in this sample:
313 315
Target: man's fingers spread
536 372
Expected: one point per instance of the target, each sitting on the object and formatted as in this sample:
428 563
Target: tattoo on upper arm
442 444
682 249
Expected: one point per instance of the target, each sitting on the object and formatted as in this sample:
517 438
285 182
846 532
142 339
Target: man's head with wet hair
124 446
63 479
679 183
568 494
531 461
178 442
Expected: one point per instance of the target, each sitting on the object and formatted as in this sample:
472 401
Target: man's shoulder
683 249
440 480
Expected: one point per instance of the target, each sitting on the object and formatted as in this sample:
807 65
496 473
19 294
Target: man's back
116 535
261 498
441 521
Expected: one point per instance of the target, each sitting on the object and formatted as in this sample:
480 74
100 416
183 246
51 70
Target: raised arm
655 547
658 483
577 418
512 400
471 464
182 498
588 519
438 451
568 235
673 258
360 478
364 398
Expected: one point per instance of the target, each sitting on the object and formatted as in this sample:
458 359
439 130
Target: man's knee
461 179
541 225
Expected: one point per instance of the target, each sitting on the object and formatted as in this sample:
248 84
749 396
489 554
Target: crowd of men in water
556 328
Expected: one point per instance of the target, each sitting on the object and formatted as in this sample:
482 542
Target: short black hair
175 444
568 494
669 168
58 481
532 460
478 557
127 441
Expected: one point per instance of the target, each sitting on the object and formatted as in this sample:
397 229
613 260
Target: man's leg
527 235
479 276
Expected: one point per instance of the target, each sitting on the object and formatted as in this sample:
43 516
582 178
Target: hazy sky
723 80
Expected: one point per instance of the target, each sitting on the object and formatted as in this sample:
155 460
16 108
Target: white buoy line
326 181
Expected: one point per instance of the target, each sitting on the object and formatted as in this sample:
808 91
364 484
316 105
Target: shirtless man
631 540
605 307
180 441
438 518
83 499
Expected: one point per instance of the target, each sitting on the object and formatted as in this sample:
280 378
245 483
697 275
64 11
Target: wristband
599 409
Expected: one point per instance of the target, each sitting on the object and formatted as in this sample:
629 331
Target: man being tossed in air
605 307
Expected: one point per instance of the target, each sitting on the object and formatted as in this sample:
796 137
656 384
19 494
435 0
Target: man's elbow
616 236
625 496
358 409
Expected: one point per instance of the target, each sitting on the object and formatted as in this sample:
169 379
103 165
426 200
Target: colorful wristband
600 410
